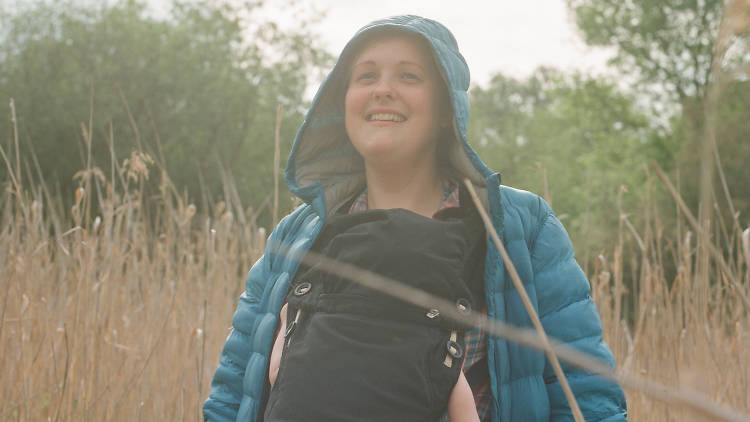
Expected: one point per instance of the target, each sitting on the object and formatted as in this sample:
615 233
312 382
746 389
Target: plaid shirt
476 340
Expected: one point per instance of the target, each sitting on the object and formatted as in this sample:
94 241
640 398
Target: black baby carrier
353 354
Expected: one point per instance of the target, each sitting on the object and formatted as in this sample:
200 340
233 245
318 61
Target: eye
412 77
365 76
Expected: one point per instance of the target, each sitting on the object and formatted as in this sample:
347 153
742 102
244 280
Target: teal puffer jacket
325 171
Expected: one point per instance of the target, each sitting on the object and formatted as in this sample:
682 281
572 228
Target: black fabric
359 355
478 374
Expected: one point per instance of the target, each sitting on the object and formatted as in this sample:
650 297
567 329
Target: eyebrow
372 62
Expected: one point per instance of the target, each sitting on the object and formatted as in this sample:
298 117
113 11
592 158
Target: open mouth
385 117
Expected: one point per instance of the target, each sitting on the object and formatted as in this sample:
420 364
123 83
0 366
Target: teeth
388 117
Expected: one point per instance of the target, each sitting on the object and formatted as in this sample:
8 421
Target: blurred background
143 146
584 92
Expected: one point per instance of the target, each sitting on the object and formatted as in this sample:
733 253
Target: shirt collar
450 199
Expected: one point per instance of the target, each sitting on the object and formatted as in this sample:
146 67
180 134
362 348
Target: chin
376 148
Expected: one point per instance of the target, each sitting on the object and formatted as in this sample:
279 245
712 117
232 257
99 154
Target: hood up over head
325 170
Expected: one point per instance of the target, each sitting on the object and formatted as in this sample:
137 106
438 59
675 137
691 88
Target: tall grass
115 307
110 312
689 331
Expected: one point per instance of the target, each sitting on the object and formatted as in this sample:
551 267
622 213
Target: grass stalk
109 329
276 158
511 269
699 229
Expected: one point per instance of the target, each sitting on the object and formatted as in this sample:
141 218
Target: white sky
511 36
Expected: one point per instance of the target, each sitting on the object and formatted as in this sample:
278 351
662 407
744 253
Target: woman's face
393 104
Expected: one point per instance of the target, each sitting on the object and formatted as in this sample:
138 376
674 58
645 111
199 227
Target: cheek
354 103
354 100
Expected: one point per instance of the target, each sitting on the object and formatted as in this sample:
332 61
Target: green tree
666 44
586 136
196 88
691 51
681 49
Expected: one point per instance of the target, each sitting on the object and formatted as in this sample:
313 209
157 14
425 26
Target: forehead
394 45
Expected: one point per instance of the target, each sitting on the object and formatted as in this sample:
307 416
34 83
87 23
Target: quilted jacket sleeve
226 387
569 315
232 394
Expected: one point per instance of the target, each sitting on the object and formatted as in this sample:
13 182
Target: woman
387 130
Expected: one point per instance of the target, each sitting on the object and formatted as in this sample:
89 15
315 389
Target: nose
383 89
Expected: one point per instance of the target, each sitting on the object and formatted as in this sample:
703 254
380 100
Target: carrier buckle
454 349
463 305
302 288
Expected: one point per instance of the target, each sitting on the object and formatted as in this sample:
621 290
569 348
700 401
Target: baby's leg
278 348
461 407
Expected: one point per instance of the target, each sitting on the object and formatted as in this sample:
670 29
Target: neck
417 189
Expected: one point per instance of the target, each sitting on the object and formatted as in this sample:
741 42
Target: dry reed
111 313
107 313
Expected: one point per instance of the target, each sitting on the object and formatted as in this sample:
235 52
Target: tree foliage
667 43
198 89
698 53
585 135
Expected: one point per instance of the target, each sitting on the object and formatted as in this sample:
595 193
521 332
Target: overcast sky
510 36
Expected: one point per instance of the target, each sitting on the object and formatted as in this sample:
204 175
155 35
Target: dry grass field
115 307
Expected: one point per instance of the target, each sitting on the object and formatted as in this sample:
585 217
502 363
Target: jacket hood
325 170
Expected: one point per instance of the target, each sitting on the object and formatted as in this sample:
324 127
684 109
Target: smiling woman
393 85
394 109
380 163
